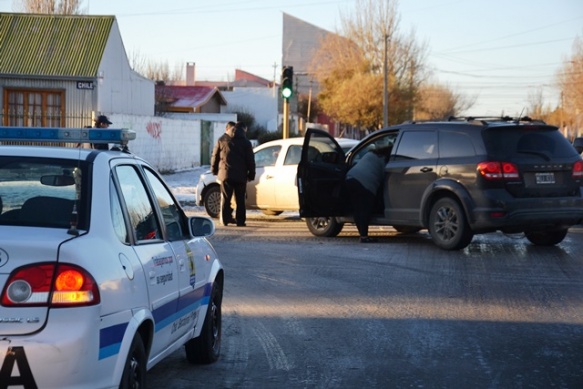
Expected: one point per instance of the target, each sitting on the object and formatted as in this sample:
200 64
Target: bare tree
350 68
439 102
157 71
62 7
570 80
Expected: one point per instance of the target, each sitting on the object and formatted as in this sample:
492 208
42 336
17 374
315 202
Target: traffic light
287 82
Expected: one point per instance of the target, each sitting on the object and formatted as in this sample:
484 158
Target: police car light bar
73 135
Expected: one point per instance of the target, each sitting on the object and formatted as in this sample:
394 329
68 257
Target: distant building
188 99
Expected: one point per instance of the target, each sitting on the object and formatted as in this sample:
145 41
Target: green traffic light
286 93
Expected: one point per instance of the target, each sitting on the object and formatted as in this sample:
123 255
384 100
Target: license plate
545 178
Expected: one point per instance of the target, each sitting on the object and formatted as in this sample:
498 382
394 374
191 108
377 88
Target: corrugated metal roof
52 45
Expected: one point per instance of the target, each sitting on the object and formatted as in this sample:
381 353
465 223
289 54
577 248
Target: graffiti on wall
154 129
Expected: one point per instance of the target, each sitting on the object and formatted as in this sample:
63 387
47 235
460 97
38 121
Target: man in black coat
233 162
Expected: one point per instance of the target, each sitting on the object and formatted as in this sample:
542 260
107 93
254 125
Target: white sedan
274 189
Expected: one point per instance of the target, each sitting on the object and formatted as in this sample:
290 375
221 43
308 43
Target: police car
102 274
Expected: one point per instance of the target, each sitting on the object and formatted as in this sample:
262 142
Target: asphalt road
307 312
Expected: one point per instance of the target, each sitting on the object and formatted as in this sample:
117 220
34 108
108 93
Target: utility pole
386 84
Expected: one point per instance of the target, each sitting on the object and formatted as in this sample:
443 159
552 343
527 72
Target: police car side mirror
201 226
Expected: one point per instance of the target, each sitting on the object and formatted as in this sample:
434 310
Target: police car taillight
52 285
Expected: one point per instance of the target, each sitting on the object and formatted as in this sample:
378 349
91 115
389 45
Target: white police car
102 274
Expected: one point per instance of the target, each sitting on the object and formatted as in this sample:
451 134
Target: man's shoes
368 239
241 225
230 221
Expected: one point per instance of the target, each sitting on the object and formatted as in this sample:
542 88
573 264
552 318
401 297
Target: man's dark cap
102 119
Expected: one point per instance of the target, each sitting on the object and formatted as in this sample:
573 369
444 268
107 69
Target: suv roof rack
490 119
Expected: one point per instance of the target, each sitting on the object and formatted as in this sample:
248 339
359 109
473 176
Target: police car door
155 254
321 174
190 254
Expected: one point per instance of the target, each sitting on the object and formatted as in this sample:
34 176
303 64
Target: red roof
188 96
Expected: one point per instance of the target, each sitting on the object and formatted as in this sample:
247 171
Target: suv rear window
507 142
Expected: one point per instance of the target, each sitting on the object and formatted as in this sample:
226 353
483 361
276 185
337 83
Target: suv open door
321 174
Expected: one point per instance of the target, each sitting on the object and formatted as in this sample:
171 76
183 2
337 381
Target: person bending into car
363 181
234 163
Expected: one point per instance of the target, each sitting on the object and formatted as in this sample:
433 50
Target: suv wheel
448 226
548 237
324 226
212 201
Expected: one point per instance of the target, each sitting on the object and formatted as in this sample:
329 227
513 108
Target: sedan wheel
212 201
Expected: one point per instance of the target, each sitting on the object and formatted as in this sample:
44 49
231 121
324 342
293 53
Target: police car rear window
40 192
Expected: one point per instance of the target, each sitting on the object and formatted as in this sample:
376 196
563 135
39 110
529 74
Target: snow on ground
183 183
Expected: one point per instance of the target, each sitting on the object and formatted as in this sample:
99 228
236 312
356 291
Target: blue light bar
72 135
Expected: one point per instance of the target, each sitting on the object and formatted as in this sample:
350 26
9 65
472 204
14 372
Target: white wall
168 144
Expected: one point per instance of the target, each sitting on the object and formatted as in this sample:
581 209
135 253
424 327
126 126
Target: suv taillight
498 170
578 169
50 285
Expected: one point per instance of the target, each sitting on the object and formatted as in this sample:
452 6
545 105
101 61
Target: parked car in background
456 178
274 189
102 274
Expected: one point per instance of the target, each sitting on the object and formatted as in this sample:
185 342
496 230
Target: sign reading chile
3 257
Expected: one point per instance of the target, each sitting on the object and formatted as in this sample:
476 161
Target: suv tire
548 237
324 226
448 226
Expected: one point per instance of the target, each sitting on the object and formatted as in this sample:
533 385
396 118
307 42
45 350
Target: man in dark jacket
233 162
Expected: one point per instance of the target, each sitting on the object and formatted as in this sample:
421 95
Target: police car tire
134 372
206 348
212 201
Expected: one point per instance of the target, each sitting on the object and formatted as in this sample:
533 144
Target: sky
499 52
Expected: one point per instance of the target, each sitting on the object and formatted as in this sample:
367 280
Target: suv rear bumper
512 214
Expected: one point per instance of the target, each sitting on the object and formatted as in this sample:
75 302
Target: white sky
500 51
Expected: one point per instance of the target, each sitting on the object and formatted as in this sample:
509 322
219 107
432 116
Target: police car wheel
134 373
206 348
212 201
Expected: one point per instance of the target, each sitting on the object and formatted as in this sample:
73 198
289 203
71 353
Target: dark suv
456 178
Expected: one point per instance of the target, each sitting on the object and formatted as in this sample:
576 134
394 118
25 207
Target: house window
34 108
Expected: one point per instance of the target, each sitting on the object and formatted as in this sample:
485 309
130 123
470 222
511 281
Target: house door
206 146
